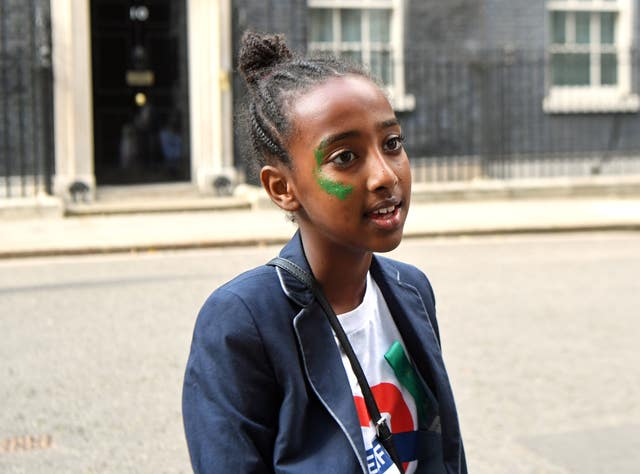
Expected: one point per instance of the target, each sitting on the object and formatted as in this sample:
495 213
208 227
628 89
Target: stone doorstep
153 198
154 205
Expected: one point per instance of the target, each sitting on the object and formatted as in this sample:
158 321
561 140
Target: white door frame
210 94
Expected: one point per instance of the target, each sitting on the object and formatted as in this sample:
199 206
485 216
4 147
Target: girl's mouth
385 210
386 218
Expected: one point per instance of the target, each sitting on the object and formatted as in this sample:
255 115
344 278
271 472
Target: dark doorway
140 102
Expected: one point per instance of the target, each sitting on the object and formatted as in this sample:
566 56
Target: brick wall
515 23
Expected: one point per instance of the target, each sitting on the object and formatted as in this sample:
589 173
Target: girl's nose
381 173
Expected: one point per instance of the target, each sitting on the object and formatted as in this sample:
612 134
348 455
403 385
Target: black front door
140 102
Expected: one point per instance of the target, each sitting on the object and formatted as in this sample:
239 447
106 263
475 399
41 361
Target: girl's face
350 173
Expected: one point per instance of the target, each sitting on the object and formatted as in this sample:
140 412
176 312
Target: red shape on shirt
389 400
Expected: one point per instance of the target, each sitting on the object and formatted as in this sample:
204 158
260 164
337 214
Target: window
589 56
365 31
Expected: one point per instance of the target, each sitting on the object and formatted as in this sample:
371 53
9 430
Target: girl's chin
388 243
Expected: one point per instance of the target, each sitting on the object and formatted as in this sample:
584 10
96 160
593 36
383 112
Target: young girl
268 387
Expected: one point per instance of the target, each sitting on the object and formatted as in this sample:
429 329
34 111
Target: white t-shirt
371 332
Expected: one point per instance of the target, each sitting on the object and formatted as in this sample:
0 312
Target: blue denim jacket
265 389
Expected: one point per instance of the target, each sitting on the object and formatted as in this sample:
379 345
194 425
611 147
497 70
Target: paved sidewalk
217 228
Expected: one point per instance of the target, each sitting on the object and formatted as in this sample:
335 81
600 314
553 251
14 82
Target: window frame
594 97
400 100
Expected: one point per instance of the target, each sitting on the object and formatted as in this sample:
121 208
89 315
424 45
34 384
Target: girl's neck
342 275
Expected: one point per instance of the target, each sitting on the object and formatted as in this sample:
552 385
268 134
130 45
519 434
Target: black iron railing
489 115
26 104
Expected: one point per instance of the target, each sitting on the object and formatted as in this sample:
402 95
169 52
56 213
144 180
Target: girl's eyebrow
326 141
389 123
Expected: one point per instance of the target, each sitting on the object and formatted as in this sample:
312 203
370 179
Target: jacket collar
293 287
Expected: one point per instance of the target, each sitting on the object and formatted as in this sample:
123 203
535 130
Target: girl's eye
394 143
344 158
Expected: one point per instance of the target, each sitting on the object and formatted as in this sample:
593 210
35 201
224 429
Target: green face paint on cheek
339 190
334 188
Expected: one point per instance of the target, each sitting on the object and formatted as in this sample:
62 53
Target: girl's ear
277 182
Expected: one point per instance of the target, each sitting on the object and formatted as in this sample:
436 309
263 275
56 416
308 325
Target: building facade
116 92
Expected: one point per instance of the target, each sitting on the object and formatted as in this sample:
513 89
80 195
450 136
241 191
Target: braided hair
275 77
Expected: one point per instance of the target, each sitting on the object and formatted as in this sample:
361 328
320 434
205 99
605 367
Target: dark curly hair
275 77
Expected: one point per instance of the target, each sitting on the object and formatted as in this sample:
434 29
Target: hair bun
259 53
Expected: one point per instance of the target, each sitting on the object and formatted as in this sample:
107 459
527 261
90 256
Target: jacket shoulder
241 298
250 287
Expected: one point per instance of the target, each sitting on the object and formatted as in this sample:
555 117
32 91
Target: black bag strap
380 423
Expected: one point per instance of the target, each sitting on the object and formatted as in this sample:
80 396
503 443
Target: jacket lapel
326 374
322 360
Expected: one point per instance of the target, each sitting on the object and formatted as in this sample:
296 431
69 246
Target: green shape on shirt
408 377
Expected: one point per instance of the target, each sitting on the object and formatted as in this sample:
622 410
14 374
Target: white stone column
73 118
210 69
